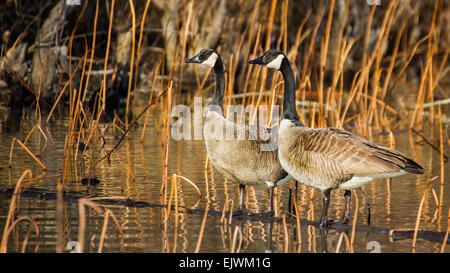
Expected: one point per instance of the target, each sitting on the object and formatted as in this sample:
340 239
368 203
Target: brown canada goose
240 159
328 158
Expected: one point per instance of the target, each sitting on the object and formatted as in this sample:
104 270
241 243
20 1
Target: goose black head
205 56
271 59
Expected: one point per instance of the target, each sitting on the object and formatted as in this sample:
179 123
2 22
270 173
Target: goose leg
326 202
271 189
323 239
242 207
368 206
291 199
348 197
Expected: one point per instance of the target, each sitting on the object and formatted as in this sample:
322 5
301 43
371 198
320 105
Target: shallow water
135 172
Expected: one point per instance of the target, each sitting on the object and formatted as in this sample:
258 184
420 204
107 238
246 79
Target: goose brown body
331 158
236 151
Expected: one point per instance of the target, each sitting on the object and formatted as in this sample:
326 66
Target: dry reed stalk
166 125
29 134
367 35
250 37
441 146
355 217
311 44
444 243
388 180
403 69
286 235
364 61
59 217
133 42
418 109
338 246
74 106
62 92
429 143
12 207
200 89
25 241
109 213
363 73
297 216
250 68
105 64
38 109
92 52
285 24
228 89
436 202
150 98
272 103
71 43
169 205
323 61
202 228
420 96
237 229
273 7
141 31
191 183
393 58
372 111
299 38
443 159
27 150
228 204
205 171
82 219
416 228
441 72
36 228
347 243
223 236
185 38
124 133
432 85
338 61
176 209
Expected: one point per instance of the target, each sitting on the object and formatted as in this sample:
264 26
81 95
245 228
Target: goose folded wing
355 155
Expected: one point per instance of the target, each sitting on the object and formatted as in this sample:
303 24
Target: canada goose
238 159
328 158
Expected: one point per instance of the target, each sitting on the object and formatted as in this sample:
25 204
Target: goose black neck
289 108
219 74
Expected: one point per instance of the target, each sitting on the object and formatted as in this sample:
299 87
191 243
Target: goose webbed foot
324 223
241 212
345 220
264 214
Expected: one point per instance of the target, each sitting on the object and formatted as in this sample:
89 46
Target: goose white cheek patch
211 61
276 63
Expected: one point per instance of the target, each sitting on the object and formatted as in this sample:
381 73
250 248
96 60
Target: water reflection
135 172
